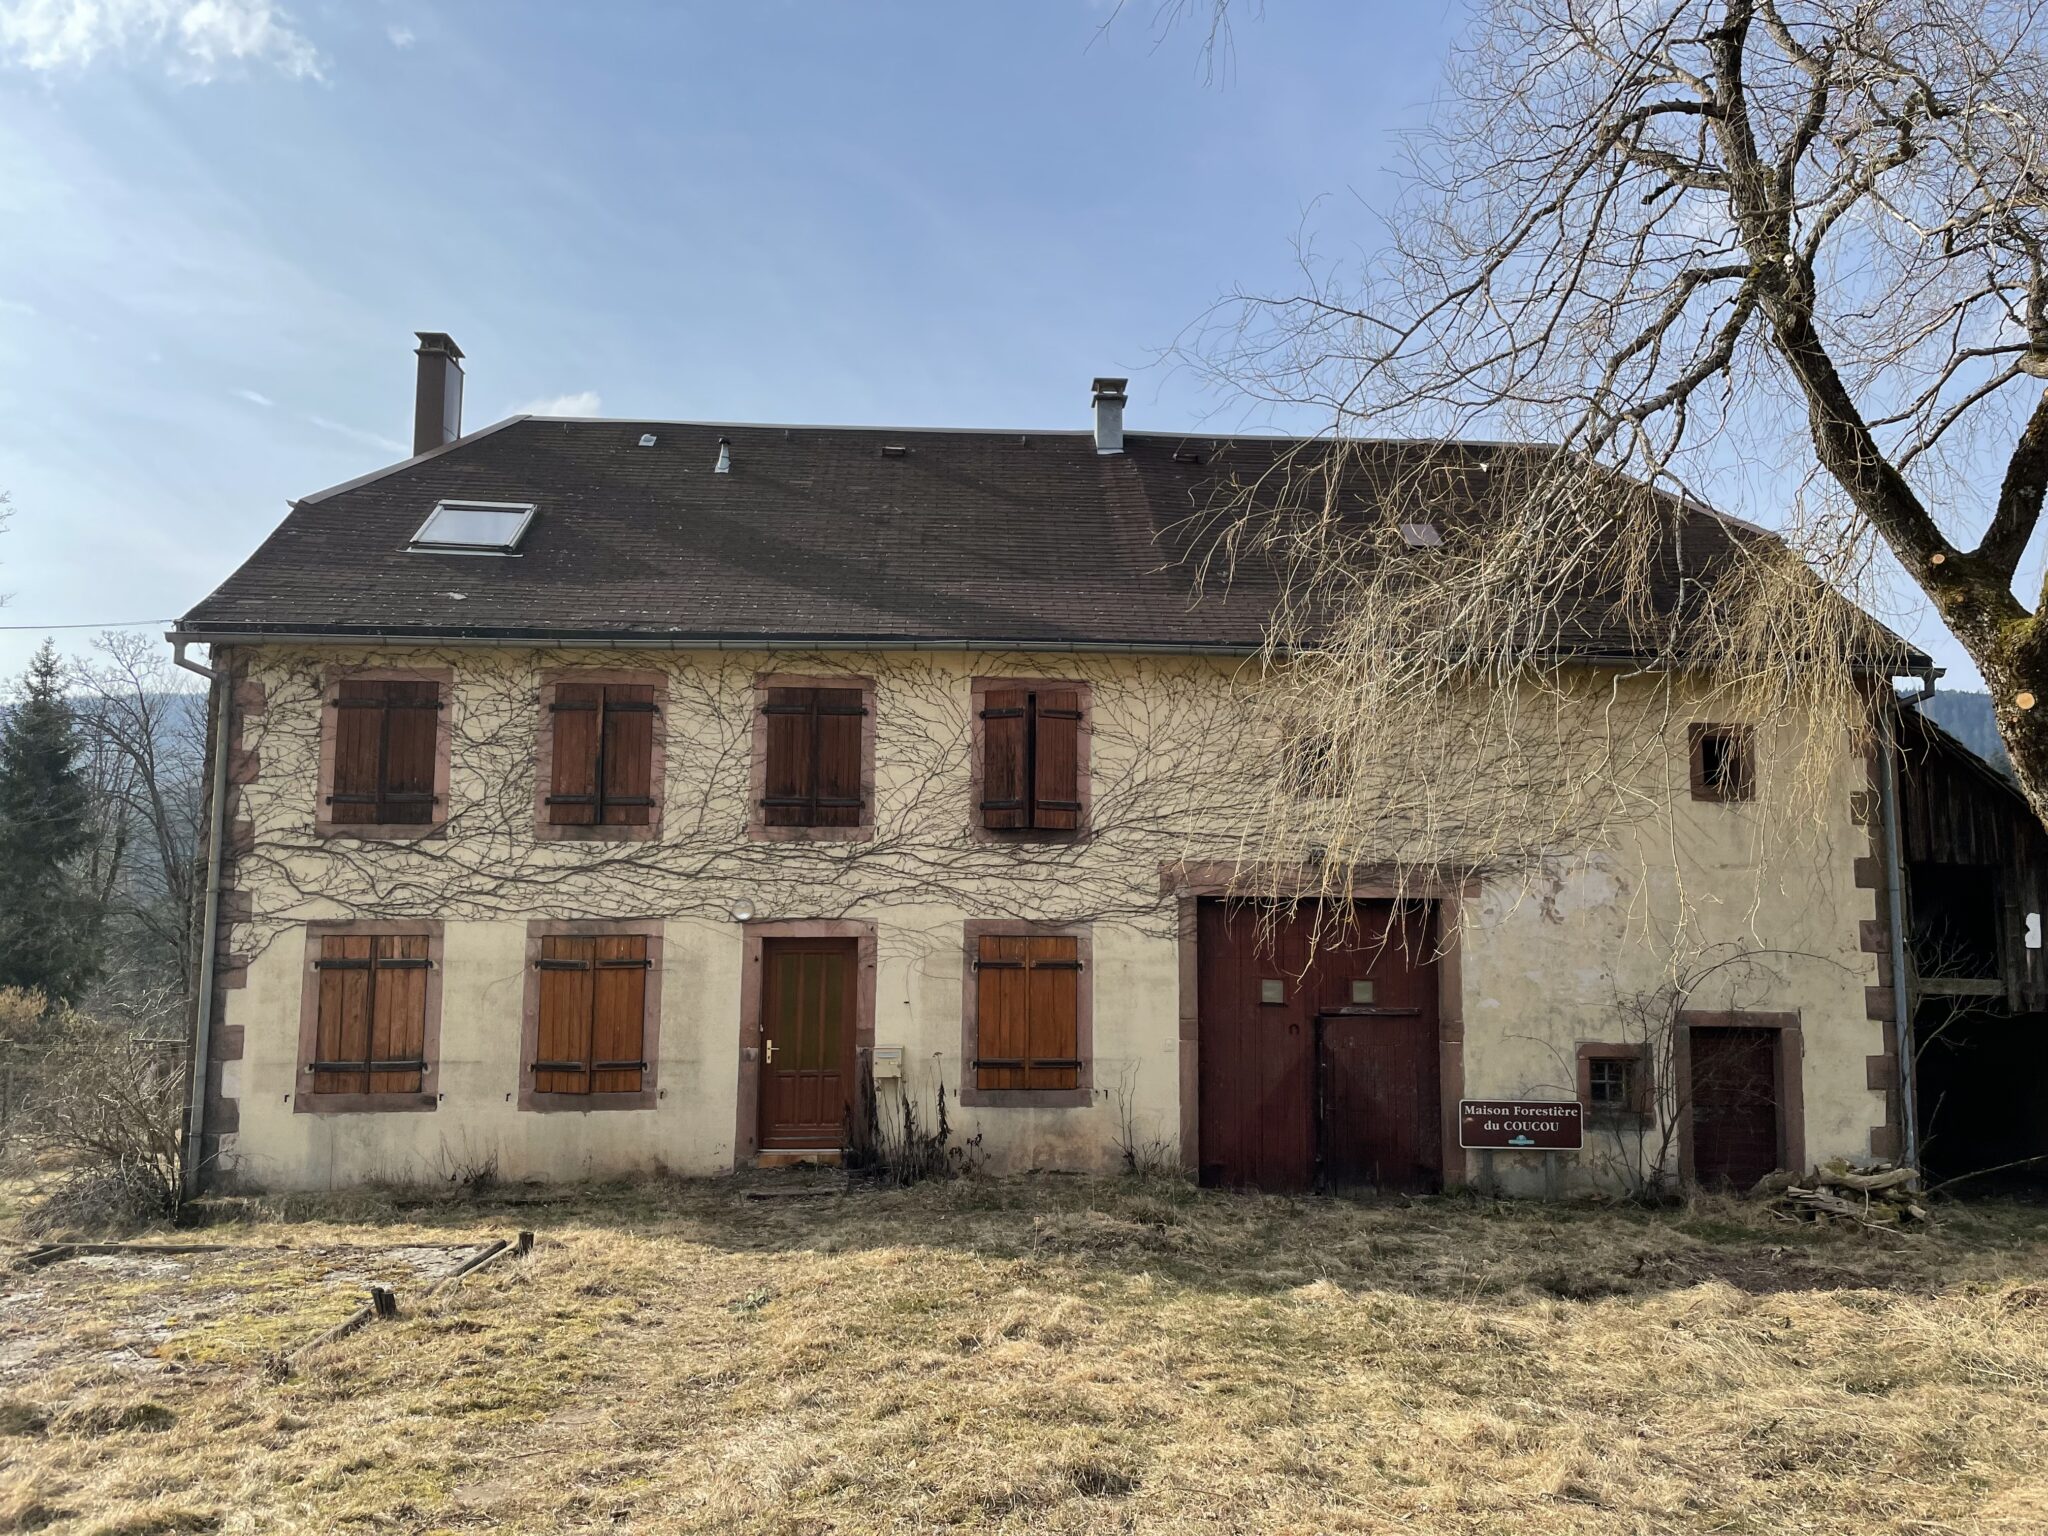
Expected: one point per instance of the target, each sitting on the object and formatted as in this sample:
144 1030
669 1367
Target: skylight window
474 527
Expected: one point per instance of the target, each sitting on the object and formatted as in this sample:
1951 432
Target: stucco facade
1536 961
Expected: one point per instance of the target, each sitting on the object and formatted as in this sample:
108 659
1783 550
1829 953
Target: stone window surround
758 829
1743 739
1644 1097
648 1095
304 1099
544 756
324 824
1082 1094
978 690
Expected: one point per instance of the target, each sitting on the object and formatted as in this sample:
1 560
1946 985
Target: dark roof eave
199 633
202 633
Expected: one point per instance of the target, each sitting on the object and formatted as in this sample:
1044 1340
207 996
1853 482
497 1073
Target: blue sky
224 219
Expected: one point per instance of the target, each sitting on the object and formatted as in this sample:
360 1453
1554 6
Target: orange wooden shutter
790 791
1056 760
342 1039
371 1033
398 1019
619 1014
1000 1013
1005 759
1053 992
575 715
1027 1012
358 750
628 755
561 1060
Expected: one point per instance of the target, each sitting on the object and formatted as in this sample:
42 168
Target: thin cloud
358 435
401 36
254 397
585 402
194 40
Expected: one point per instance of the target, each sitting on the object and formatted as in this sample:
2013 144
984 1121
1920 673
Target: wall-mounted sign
1517 1125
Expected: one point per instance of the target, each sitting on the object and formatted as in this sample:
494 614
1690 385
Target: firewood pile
1881 1195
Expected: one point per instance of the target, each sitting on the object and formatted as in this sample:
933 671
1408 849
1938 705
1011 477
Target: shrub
107 1105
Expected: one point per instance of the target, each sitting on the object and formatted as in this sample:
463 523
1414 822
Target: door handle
768 1052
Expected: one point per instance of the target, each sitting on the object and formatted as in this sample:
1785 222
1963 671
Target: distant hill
1967 717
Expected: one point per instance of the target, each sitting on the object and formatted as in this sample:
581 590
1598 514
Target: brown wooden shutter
352 798
628 754
575 715
789 795
1000 1016
1027 1013
1053 994
841 717
412 728
619 1014
1056 760
371 1032
342 1036
1005 759
398 1020
561 1059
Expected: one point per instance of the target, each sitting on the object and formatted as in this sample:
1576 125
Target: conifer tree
48 920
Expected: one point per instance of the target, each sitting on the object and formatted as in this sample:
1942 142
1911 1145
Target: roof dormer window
474 528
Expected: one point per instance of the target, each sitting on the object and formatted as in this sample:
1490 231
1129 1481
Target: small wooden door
807 1025
1736 1120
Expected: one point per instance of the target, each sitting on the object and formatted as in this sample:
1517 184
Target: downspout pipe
209 923
1895 898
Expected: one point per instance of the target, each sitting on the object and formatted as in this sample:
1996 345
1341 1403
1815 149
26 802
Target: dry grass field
1045 1355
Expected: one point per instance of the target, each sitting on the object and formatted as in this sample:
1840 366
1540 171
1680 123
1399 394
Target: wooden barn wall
1954 810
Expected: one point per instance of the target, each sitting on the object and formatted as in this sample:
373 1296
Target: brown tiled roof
817 534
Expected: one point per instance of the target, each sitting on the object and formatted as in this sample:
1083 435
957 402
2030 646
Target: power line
110 624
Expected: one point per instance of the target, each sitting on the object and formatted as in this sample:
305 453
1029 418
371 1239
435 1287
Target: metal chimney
437 405
1109 415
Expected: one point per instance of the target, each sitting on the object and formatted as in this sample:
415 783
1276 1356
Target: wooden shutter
576 715
561 1053
1005 759
343 1035
358 749
1056 760
398 1015
593 1014
789 796
1027 1012
816 754
628 754
619 1014
371 1033
385 738
412 728
839 731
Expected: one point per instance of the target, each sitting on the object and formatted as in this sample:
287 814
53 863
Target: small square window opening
1611 1083
1723 762
1362 991
1272 990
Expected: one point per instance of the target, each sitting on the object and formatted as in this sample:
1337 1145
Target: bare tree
1779 248
144 733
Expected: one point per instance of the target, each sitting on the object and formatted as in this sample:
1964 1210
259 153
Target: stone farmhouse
598 796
